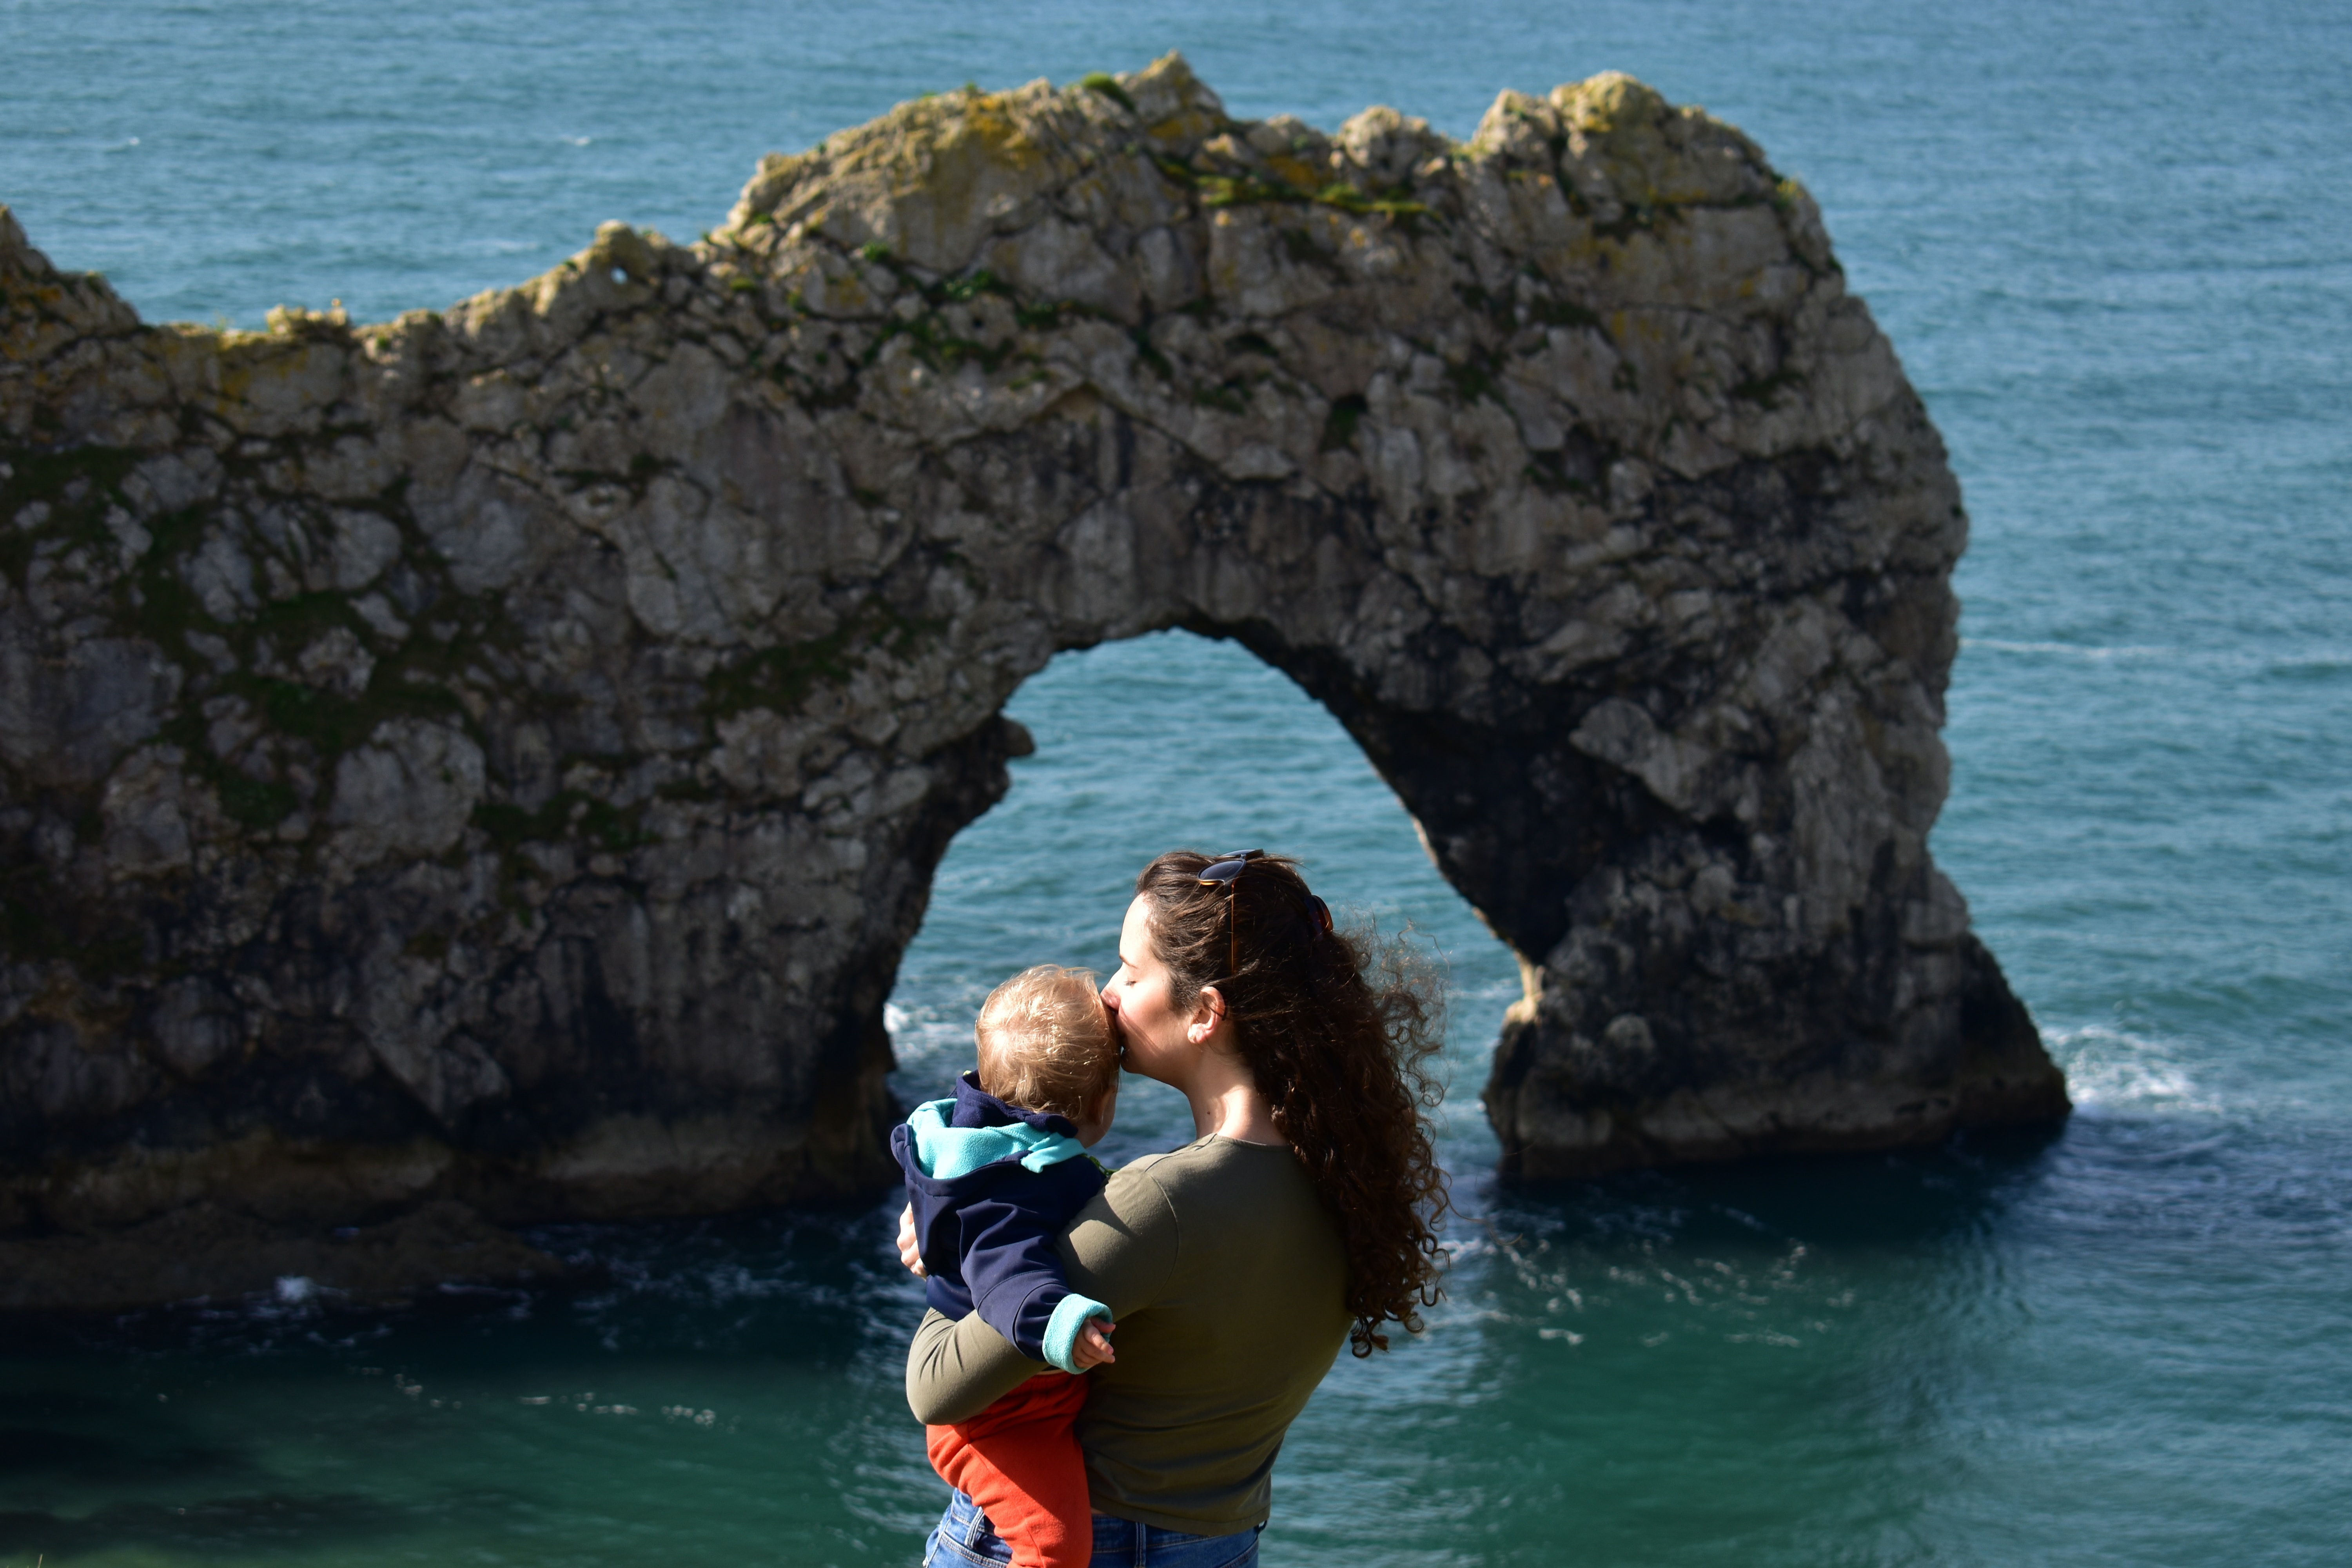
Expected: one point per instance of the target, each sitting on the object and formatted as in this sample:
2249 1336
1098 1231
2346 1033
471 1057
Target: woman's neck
1226 1103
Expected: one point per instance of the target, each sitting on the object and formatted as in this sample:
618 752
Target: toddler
992 1175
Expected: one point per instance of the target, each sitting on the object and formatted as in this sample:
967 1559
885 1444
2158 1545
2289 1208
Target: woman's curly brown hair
1339 1028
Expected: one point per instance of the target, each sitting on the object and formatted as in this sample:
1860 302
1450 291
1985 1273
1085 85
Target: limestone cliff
500 755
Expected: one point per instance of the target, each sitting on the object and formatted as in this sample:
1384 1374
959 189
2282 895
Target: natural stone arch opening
501 756
1142 745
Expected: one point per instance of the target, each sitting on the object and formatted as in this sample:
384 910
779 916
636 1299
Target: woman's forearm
956 1368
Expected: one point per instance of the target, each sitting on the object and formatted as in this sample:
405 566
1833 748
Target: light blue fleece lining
947 1152
1069 1319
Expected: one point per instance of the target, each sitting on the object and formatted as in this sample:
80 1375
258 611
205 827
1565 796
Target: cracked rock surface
496 758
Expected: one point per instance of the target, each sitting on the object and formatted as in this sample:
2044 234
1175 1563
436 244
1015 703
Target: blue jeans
964 1539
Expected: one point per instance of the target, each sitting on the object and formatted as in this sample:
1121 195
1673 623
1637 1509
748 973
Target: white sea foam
2112 1070
2322 658
2076 650
923 1043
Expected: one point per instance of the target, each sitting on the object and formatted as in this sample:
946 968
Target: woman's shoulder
1212 1173
1141 1181
1169 1166
1147 1191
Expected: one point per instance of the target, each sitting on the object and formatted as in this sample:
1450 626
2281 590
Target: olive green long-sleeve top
1227 1278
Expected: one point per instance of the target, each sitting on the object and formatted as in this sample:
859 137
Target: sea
2112 245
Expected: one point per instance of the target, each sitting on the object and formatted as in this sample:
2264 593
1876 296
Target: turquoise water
2115 249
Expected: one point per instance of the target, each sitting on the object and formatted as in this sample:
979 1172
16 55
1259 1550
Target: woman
1303 1217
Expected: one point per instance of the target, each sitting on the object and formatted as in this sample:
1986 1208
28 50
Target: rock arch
500 755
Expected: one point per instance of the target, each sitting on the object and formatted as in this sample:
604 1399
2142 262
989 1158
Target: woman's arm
958 1367
1119 1249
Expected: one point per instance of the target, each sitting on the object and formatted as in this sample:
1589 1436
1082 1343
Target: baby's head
1047 1044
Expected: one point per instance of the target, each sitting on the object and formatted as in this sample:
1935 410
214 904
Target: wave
2300 663
2079 650
2114 1070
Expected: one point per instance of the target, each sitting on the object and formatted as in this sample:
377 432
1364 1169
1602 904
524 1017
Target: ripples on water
2114 251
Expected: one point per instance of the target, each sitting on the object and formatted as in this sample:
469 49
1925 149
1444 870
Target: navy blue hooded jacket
987 1221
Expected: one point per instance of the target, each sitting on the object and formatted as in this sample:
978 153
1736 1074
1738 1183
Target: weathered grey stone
501 755
195 1025
410 792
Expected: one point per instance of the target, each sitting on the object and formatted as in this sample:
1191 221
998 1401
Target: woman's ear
1208 1012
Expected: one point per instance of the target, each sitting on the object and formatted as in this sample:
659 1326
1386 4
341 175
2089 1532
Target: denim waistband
964 1539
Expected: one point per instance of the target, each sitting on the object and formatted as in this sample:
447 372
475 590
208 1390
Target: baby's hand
1092 1349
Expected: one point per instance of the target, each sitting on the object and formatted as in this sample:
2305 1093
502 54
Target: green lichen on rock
1107 85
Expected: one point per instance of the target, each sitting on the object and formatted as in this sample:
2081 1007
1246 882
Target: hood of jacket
957 1136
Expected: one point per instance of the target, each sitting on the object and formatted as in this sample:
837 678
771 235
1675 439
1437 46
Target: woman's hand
911 1254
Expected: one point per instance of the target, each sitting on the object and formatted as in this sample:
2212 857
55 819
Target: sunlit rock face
501 756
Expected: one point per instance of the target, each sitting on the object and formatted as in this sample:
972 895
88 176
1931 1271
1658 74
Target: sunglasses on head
1225 872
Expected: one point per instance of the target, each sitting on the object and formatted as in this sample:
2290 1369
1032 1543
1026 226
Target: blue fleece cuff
1069 1321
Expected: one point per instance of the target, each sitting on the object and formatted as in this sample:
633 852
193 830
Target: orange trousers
1019 1460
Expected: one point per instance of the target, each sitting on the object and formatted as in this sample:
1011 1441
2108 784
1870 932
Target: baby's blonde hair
1045 1041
